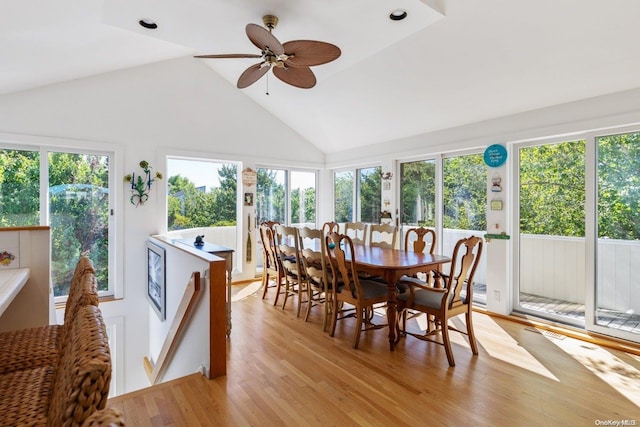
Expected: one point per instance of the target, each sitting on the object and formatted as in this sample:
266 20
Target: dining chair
418 239
347 288
454 297
317 271
383 235
357 231
330 227
271 269
288 252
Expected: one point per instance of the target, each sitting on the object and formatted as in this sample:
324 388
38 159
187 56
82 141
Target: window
297 208
551 238
343 196
418 193
365 199
203 200
78 209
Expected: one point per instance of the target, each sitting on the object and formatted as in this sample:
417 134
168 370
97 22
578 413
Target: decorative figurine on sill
199 241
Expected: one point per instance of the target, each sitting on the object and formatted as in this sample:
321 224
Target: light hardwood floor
285 372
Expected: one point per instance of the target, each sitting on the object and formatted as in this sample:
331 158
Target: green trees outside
270 195
370 189
619 186
418 193
78 207
343 196
191 207
552 189
465 192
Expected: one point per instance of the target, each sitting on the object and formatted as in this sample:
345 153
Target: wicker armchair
71 392
36 347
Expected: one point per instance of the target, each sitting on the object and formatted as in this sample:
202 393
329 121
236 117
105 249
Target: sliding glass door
551 225
617 282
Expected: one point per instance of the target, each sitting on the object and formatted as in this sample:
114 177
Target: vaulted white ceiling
451 62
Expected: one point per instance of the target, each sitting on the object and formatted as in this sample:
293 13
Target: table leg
392 305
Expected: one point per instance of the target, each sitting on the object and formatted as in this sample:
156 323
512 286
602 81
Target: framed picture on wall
156 287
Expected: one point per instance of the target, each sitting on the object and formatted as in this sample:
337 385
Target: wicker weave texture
35 347
107 417
83 373
24 397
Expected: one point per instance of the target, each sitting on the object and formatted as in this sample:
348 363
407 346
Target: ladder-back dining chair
316 268
383 235
357 232
288 252
452 298
271 269
347 288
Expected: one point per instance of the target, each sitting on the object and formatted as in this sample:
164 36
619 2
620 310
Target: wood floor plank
283 371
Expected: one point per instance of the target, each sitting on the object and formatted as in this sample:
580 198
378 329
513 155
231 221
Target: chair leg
287 291
309 302
325 312
472 336
358 331
278 290
334 316
447 343
265 283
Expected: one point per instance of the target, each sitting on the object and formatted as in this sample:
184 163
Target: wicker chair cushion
83 373
107 417
25 396
29 348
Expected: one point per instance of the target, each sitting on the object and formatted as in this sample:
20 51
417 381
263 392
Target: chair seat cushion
29 348
25 396
372 289
423 298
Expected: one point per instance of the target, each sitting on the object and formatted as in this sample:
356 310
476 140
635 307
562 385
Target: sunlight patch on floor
246 291
615 372
502 346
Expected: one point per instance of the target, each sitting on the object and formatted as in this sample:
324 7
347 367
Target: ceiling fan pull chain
267 92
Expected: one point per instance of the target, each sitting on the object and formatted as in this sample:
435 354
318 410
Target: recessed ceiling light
398 15
148 23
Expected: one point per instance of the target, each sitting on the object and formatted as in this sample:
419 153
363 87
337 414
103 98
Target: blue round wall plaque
495 155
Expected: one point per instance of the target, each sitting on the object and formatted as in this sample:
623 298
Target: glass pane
552 226
19 188
202 201
303 199
343 189
369 192
418 193
464 205
618 248
270 197
79 216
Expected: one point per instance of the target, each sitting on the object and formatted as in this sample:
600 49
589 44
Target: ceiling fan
289 61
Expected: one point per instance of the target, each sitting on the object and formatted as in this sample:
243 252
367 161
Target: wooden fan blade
301 77
251 75
262 39
310 52
230 55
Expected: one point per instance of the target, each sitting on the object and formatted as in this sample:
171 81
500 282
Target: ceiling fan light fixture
398 15
148 24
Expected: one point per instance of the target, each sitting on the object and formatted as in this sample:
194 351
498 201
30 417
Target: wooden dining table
391 265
